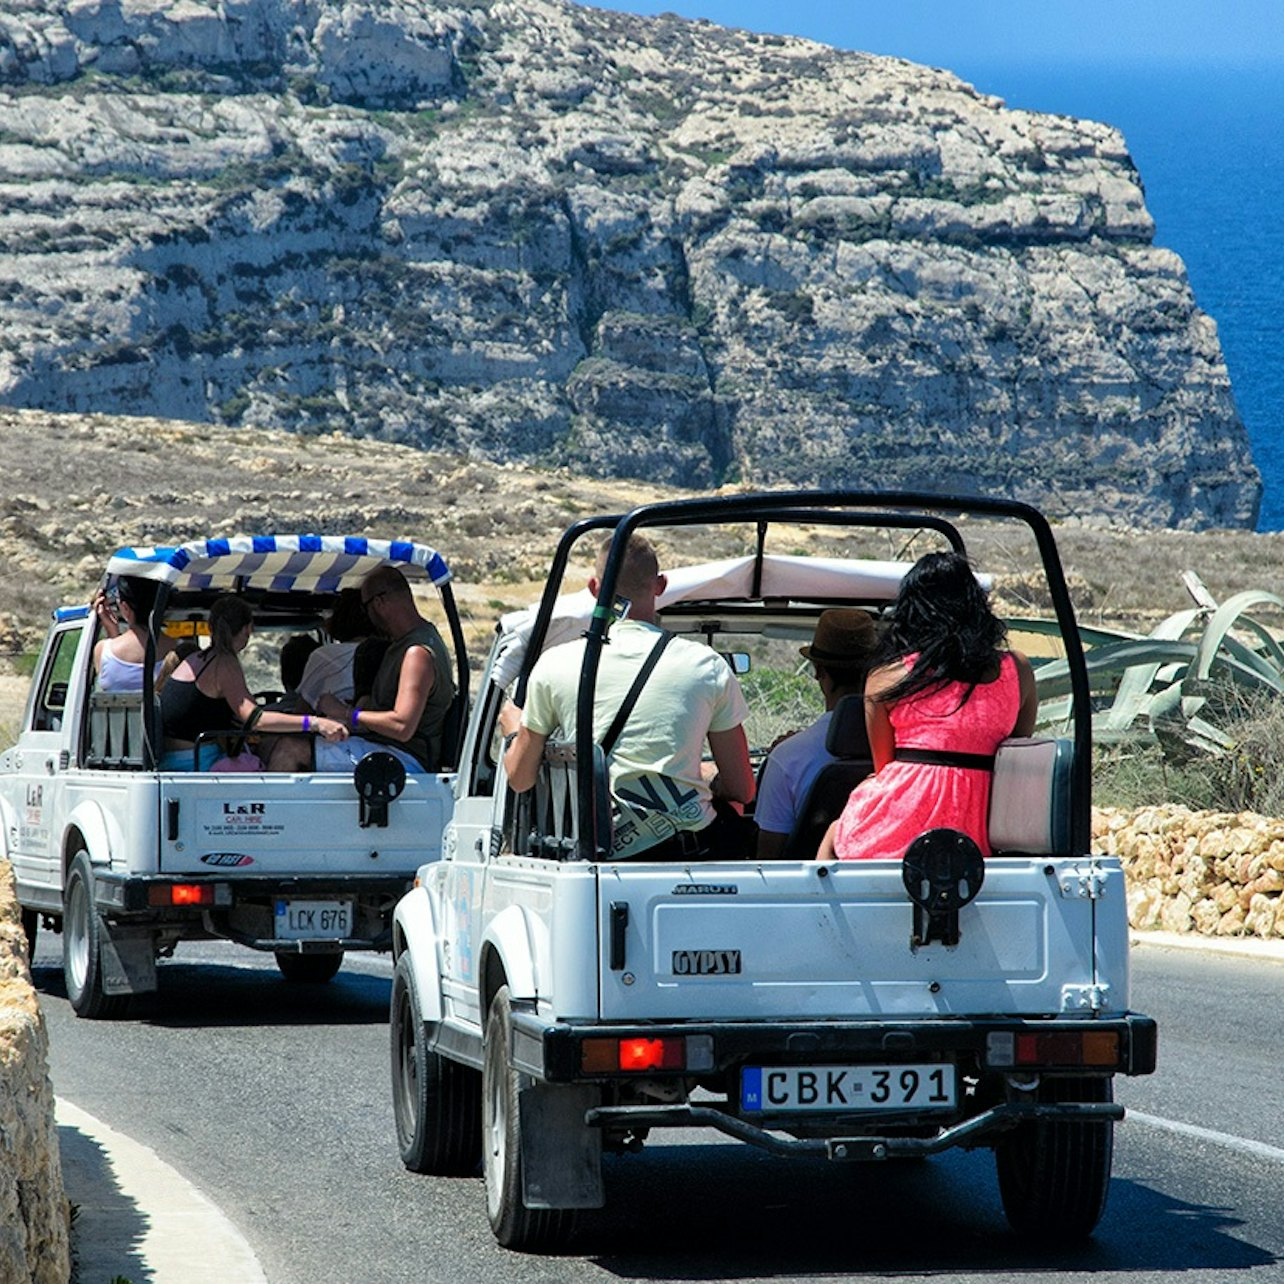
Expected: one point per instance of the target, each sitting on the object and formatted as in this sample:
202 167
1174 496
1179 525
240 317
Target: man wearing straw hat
840 653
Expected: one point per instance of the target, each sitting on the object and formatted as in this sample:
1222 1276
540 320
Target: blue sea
1209 144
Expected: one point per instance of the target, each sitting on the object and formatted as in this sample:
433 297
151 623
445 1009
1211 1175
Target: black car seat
847 739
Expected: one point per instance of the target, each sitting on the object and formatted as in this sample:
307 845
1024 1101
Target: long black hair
942 613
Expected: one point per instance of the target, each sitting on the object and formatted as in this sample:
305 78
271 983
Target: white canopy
797 579
278 563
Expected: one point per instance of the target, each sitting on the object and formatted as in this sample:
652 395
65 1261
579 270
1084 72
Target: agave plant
1183 684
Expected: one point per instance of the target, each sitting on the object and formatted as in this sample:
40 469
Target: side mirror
738 660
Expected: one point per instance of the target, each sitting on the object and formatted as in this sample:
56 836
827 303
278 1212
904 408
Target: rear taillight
180 894
1053 1049
641 1055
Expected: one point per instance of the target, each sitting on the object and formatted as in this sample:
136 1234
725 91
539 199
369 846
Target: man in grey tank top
405 713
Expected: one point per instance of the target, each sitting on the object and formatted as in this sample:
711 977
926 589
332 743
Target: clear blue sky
959 34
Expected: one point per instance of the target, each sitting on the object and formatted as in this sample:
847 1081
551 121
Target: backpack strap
622 716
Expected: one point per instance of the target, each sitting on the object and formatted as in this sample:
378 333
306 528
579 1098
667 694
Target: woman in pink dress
946 694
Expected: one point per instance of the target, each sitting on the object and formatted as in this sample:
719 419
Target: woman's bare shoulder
884 677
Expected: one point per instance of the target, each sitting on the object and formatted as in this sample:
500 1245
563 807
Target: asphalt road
274 1100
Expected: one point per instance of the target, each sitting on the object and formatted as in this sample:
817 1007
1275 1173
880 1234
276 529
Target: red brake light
1094 1048
608 1056
181 894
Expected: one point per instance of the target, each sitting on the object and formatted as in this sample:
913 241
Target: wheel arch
415 936
507 958
90 829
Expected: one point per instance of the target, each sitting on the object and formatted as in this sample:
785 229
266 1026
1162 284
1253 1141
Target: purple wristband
307 723
356 713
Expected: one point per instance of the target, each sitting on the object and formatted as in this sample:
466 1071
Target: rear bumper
978 1130
551 1051
127 899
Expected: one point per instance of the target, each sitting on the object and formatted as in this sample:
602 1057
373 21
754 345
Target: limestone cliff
651 248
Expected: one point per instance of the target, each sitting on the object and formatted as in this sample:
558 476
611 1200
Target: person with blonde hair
663 806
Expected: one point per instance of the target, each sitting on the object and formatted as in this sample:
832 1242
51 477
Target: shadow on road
212 995
685 1212
107 1226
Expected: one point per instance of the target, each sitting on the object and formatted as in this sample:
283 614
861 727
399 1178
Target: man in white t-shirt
840 653
663 805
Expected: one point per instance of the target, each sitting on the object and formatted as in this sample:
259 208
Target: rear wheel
514 1224
308 969
436 1103
1054 1177
82 947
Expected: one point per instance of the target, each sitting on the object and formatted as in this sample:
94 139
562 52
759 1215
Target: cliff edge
549 234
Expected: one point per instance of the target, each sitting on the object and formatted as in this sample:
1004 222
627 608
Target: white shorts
345 754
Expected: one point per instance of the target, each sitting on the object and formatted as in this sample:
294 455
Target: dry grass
78 486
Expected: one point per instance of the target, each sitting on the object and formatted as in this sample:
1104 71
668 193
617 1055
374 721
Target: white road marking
1245 1145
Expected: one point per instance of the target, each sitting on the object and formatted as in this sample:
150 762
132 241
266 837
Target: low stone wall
1206 872
33 1208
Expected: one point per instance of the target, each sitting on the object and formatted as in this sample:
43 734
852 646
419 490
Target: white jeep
127 859
549 1004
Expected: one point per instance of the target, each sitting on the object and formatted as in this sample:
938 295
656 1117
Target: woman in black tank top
208 692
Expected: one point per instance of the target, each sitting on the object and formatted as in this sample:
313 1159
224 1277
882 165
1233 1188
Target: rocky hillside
643 248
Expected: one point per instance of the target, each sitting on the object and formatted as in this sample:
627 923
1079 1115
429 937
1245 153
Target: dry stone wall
1205 872
33 1208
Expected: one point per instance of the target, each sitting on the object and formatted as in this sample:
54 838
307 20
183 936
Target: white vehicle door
473 839
42 757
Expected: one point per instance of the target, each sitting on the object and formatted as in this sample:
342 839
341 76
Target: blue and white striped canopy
278 563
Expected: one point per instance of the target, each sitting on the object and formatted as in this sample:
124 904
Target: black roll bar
819 508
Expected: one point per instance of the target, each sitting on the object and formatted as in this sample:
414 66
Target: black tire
514 1225
308 969
82 945
436 1103
30 926
1054 1177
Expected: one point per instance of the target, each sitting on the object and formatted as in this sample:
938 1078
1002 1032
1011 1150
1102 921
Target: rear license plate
308 920
819 1088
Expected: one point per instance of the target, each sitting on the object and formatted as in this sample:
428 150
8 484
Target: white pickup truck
127 860
549 1004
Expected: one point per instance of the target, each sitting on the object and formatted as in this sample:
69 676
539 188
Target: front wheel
1054 1177
514 1224
308 969
82 966
436 1103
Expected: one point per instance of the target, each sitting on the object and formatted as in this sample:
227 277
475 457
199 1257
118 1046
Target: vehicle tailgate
834 940
295 824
